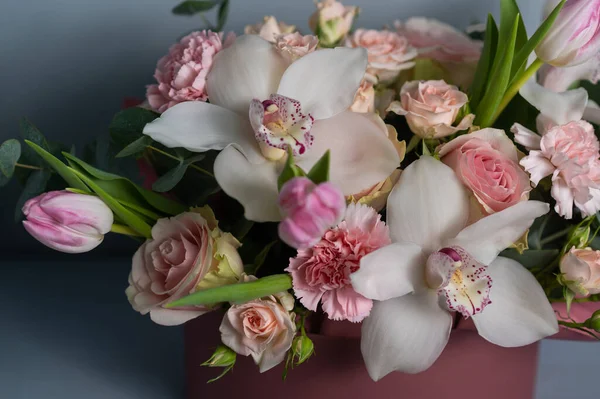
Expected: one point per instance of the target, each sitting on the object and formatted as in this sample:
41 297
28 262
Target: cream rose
581 270
293 45
269 29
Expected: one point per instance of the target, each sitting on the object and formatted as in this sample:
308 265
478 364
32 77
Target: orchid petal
560 79
325 81
361 153
428 205
389 272
519 313
487 237
562 108
199 126
249 68
253 185
405 334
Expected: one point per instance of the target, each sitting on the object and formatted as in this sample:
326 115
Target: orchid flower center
462 280
279 123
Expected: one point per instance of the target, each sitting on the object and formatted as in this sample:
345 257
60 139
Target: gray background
67 330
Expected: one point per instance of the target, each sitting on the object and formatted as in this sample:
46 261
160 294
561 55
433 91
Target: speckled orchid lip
462 280
279 123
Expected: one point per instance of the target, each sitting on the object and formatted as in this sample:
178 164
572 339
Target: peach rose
581 271
431 107
293 45
364 101
269 29
263 328
487 163
389 53
186 253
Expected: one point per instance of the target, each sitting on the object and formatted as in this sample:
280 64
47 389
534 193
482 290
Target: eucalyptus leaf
222 14
191 7
170 179
532 258
35 185
30 132
10 152
259 260
319 173
485 62
135 147
127 125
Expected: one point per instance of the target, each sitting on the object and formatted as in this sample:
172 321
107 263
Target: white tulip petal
199 126
325 81
562 107
519 313
362 155
253 185
487 237
389 272
405 334
428 205
249 68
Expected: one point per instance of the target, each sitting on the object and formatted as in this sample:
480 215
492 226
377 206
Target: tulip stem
20 165
166 154
516 85
125 230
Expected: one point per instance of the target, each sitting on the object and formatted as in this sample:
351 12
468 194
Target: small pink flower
309 210
581 271
389 53
322 273
431 108
269 29
293 45
263 328
570 154
364 101
487 163
181 74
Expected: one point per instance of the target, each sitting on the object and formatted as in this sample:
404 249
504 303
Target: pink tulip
575 35
309 210
67 222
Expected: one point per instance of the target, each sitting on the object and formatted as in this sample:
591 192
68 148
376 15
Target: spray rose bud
594 321
67 222
302 349
581 271
332 21
575 35
223 357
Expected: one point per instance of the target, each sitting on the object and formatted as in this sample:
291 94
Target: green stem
20 165
516 85
125 230
554 236
166 154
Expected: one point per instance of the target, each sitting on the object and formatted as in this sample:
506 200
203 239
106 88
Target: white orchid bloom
436 265
261 104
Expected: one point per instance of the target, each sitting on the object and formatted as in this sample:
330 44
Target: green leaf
222 14
190 7
10 152
290 170
63 170
319 173
237 293
32 133
131 219
532 258
35 185
485 62
127 125
136 147
259 260
569 296
170 179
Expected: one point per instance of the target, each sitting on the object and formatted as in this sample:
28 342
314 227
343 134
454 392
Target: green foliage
191 7
222 15
10 152
222 357
170 179
127 125
319 173
30 132
35 185
136 147
290 170
532 258
63 170
485 63
259 260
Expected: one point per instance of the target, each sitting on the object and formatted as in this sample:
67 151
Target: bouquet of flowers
405 178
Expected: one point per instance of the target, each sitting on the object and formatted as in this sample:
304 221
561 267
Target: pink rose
293 45
269 29
389 53
569 153
322 273
487 163
187 253
263 328
181 74
364 101
332 21
431 108
581 271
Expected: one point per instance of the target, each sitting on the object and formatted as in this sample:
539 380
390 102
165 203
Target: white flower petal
199 126
253 185
520 313
249 68
362 155
562 108
325 81
592 113
526 137
405 334
428 205
485 238
389 272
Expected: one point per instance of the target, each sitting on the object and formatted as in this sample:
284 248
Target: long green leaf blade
63 170
485 63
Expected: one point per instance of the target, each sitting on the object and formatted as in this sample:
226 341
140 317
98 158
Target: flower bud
581 271
575 35
332 21
67 222
302 349
222 357
309 210
594 321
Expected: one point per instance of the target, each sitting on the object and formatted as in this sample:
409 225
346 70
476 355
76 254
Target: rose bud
575 35
302 349
222 357
332 21
581 271
67 222
594 321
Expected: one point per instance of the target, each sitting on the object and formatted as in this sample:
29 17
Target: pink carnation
322 273
181 74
